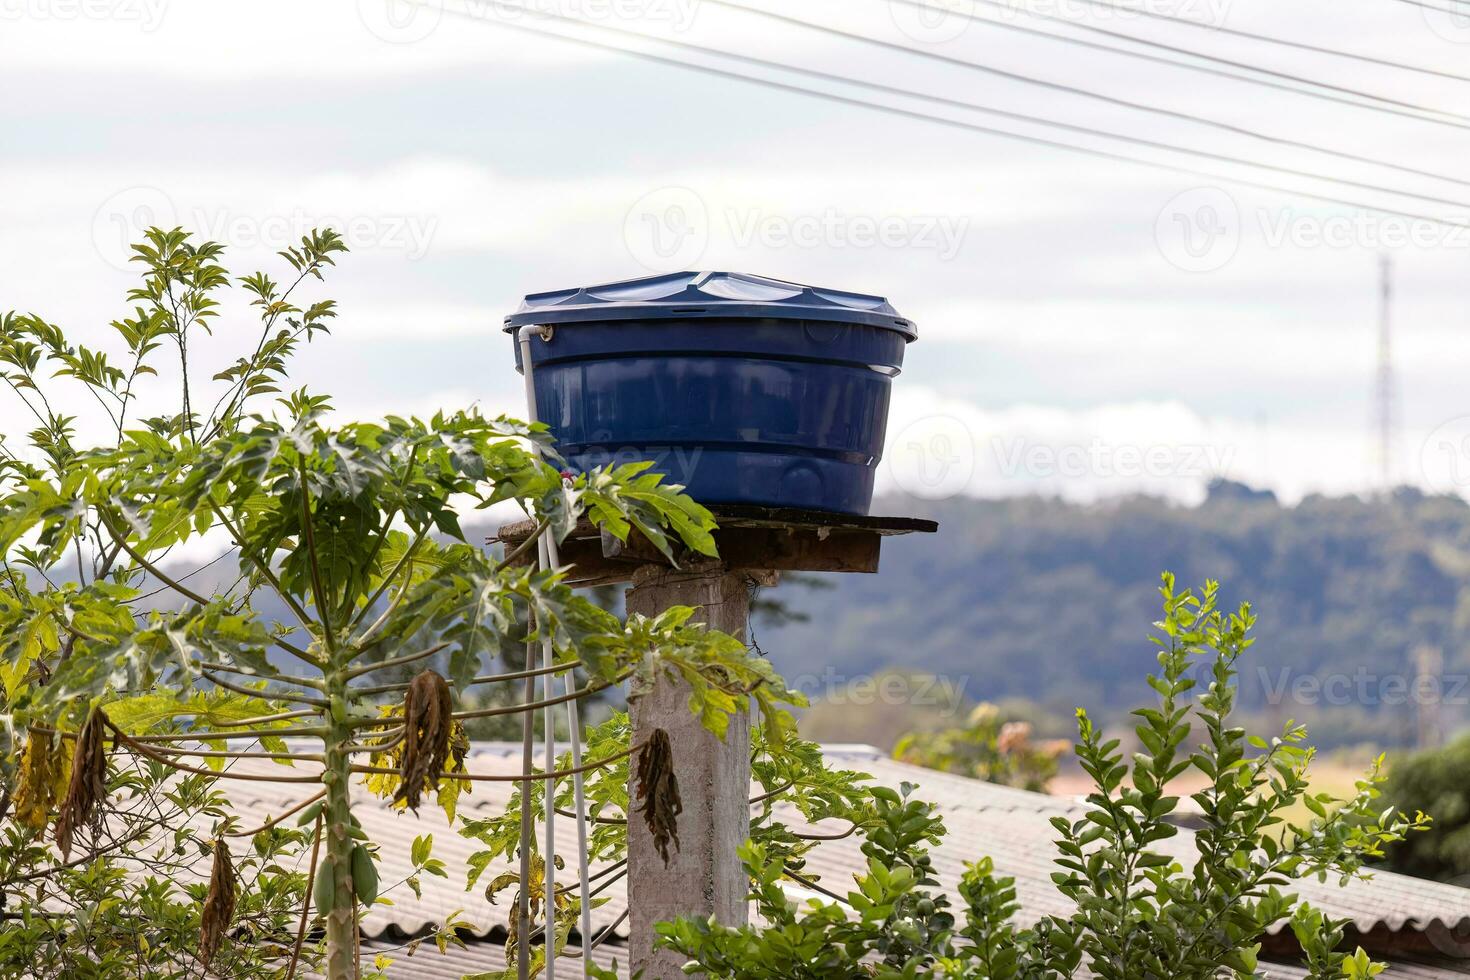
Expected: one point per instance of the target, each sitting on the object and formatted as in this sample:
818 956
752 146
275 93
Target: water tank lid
702 295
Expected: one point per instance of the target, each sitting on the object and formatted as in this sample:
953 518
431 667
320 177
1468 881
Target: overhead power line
1453 12
1175 19
1085 130
1192 117
1043 121
1188 52
929 117
1452 120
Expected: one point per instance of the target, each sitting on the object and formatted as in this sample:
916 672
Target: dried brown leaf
658 789
88 784
219 904
428 723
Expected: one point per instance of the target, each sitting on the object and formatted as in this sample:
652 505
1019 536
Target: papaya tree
349 566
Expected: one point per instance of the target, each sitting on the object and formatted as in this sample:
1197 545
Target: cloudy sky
1087 326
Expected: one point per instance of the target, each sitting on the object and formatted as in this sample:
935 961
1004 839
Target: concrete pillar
705 877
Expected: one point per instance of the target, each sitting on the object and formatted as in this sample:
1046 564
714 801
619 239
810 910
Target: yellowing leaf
385 785
45 769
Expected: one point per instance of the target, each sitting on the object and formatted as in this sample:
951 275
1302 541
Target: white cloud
266 39
942 447
327 41
1140 339
502 400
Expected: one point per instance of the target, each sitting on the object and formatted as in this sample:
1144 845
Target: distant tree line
1042 600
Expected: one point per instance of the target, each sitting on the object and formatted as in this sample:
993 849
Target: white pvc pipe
548 657
547 553
574 725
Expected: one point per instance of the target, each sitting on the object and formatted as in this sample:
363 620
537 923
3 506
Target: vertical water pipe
549 558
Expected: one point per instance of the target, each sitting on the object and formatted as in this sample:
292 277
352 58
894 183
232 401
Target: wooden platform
756 538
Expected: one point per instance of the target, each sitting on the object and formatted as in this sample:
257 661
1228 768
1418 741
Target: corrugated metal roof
423 961
1009 825
426 963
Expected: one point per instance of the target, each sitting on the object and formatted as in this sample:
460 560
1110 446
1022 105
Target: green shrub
1140 912
1434 780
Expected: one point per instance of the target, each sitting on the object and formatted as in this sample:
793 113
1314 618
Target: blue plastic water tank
746 390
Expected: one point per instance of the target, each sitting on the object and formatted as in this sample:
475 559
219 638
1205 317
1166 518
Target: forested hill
1052 602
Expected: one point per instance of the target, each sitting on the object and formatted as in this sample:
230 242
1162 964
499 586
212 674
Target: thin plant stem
277 819
316 845
481 778
267 719
164 760
482 679
509 709
211 736
311 682
263 695
227 754
396 662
